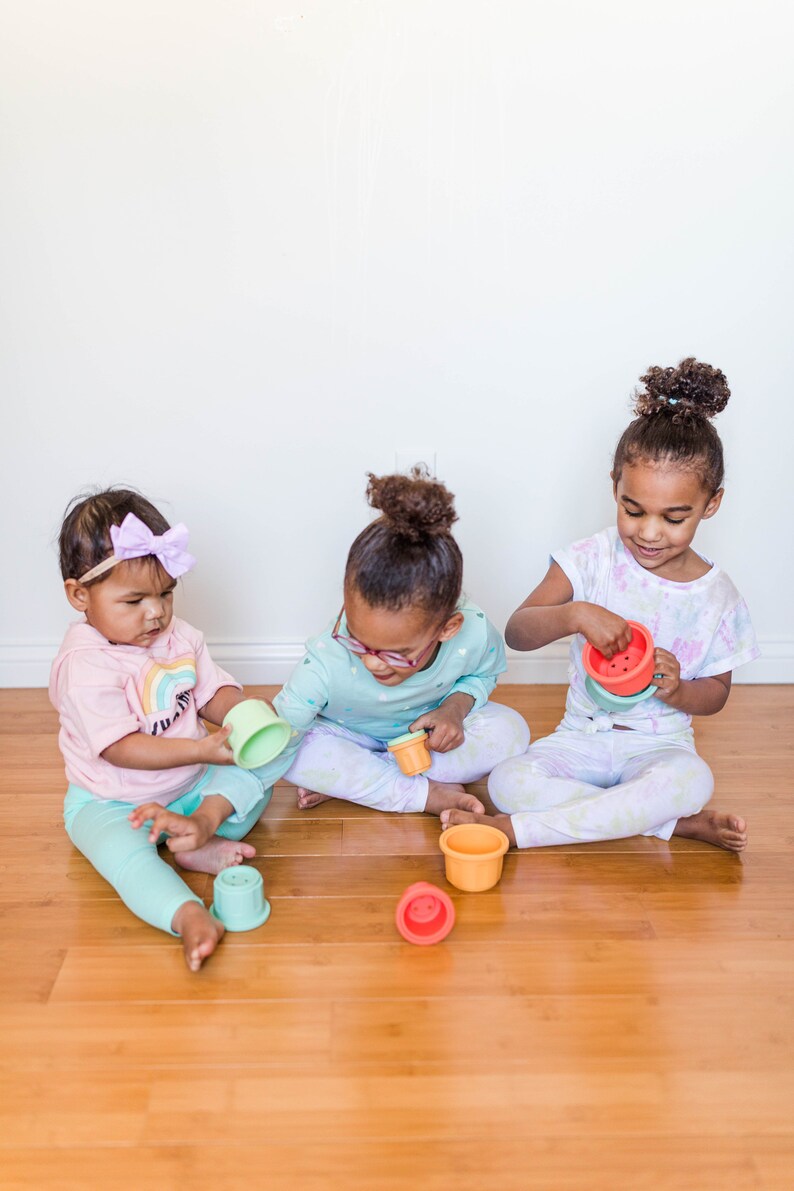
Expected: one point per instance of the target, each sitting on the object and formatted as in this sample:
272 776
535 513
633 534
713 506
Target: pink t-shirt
103 692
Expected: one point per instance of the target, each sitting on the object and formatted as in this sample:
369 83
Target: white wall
250 250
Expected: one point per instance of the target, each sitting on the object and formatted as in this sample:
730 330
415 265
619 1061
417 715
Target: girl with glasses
404 654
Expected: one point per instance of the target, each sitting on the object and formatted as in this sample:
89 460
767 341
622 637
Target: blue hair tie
672 401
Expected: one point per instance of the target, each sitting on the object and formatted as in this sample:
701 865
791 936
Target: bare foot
443 795
452 817
200 932
309 798
216 855
715 827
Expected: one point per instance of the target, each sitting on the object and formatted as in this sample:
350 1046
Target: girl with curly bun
405 653
610 774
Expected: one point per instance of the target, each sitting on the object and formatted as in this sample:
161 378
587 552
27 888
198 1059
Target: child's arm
486 656
695 696
141 751
97 703
303 697
550 612
444 725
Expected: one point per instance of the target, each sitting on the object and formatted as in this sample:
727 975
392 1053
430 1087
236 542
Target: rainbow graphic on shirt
160 682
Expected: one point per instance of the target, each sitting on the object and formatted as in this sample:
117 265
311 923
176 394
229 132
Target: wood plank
544 1033
307 920
466 1161
168 1107
260 971
57 870
134 1037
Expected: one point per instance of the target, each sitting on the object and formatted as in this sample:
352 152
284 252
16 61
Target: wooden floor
611 1016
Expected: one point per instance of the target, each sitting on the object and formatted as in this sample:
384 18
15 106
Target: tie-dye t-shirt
705 624
103 692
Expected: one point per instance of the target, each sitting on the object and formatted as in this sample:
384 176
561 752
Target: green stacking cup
258 734
239 898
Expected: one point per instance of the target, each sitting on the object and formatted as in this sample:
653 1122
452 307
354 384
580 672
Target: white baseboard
27 663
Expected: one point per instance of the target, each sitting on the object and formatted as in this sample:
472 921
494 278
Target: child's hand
213 749
444 727
186 832
606 632
666 664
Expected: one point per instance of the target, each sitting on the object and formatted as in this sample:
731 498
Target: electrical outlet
406 457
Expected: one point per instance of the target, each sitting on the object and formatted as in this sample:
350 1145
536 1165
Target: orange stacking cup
627 672
473 855
410 752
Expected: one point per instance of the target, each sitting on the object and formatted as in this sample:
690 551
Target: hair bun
692 389
414 506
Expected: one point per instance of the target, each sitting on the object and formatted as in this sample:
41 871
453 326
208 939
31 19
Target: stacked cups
624 679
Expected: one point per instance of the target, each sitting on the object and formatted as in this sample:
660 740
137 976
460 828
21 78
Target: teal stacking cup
258 734
239 898
612 702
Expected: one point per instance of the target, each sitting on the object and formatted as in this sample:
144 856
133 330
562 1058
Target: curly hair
673 424
408 556
84 539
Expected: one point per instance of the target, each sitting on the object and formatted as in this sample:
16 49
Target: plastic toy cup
425 914
258 734
615 702
240 902
627 672
473 855
410 752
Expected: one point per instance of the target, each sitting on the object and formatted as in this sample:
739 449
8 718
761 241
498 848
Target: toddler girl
129 683
606 775
404 654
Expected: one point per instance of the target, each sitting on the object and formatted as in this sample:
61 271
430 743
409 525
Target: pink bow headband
133 539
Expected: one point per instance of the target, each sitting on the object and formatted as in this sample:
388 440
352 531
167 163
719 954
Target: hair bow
134 539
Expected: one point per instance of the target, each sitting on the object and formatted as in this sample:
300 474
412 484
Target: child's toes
307 799
451 818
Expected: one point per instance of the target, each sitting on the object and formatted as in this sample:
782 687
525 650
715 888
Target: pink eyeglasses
398 660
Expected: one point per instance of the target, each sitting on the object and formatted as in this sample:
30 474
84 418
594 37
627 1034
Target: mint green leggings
123 855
